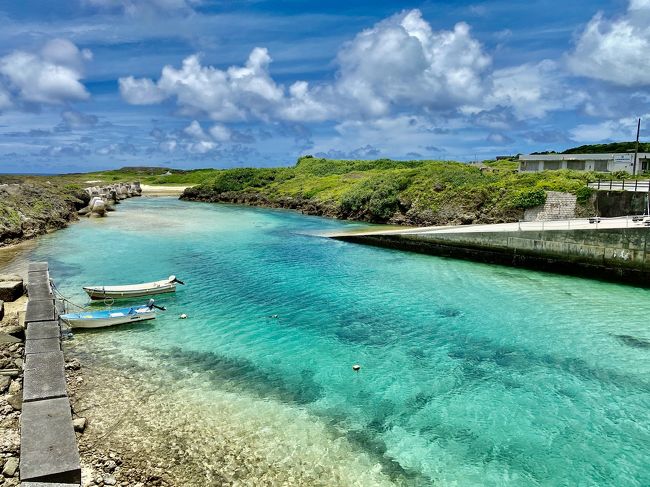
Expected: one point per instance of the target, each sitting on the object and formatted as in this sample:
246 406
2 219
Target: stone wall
558 206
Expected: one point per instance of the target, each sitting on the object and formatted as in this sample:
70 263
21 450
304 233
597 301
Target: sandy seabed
174 428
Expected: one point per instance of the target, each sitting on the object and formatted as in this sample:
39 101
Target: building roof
581 157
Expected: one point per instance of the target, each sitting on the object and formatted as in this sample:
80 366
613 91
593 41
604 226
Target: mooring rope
65 299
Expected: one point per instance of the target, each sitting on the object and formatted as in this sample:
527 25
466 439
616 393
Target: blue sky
94 84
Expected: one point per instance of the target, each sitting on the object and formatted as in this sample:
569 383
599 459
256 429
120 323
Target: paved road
575 224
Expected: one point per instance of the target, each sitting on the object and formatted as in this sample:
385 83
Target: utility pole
636 148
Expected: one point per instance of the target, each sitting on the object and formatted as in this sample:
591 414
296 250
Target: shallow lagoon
471 374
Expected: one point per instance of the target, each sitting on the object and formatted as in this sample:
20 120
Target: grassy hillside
410 192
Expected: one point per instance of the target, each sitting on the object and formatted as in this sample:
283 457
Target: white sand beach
160 190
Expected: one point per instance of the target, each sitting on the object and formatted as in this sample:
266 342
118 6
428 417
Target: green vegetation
614 147
402 192
413 192
32 208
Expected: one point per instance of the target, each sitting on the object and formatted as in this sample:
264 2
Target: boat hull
96 293
103 319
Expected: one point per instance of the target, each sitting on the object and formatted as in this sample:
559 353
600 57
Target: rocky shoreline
304 205
454 214
28 210
101 466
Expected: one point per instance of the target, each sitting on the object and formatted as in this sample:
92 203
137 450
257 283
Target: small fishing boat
111 317
133 290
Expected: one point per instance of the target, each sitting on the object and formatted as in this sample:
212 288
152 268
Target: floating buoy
274 316
356 367
183 316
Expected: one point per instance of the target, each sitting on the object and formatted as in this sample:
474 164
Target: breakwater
616 254
104 198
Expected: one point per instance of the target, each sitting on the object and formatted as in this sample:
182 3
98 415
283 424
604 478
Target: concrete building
585 162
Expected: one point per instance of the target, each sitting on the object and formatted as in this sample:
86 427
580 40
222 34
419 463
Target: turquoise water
471 374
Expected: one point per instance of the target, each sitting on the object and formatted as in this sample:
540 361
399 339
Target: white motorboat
133 290
111 317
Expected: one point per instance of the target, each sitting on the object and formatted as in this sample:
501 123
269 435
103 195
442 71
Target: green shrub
529 198
584 194
378 197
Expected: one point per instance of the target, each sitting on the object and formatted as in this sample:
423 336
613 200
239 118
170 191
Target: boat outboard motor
173 279
151 305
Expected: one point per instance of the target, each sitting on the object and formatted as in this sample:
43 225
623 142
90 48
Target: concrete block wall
611 254
558 206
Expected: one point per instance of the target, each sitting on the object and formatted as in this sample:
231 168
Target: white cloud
5 99
140 91
195 131
220 133
615 50
51 76
621 129
531 90
402 61
140 7
237 93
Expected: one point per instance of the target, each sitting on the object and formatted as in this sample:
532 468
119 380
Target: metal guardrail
621 185
594 222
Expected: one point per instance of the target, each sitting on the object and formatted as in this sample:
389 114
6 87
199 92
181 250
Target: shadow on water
477 353
632 341
238 373
234 375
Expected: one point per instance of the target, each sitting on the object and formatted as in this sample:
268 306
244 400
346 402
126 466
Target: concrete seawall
608 254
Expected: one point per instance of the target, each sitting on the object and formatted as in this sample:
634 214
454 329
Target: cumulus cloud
615 50
531 90
400 62
238 93
51 76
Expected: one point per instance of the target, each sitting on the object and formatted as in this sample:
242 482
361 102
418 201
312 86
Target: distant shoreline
163 190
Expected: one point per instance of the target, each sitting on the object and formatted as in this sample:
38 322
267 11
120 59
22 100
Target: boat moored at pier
111 317
133 290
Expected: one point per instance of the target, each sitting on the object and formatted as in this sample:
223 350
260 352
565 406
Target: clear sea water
471 374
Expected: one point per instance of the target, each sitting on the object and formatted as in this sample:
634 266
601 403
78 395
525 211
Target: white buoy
183 316
356 367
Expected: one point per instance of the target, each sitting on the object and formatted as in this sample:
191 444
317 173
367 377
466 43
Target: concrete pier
49 455
616 254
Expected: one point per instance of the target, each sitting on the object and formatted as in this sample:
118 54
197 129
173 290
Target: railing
595 222
621 185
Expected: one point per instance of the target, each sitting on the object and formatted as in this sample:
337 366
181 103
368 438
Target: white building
584 162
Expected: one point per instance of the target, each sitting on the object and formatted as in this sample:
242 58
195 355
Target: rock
14 386
11 465
4 382
79 424
11 288
19 363
109 480
73 364
15 401
110 466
